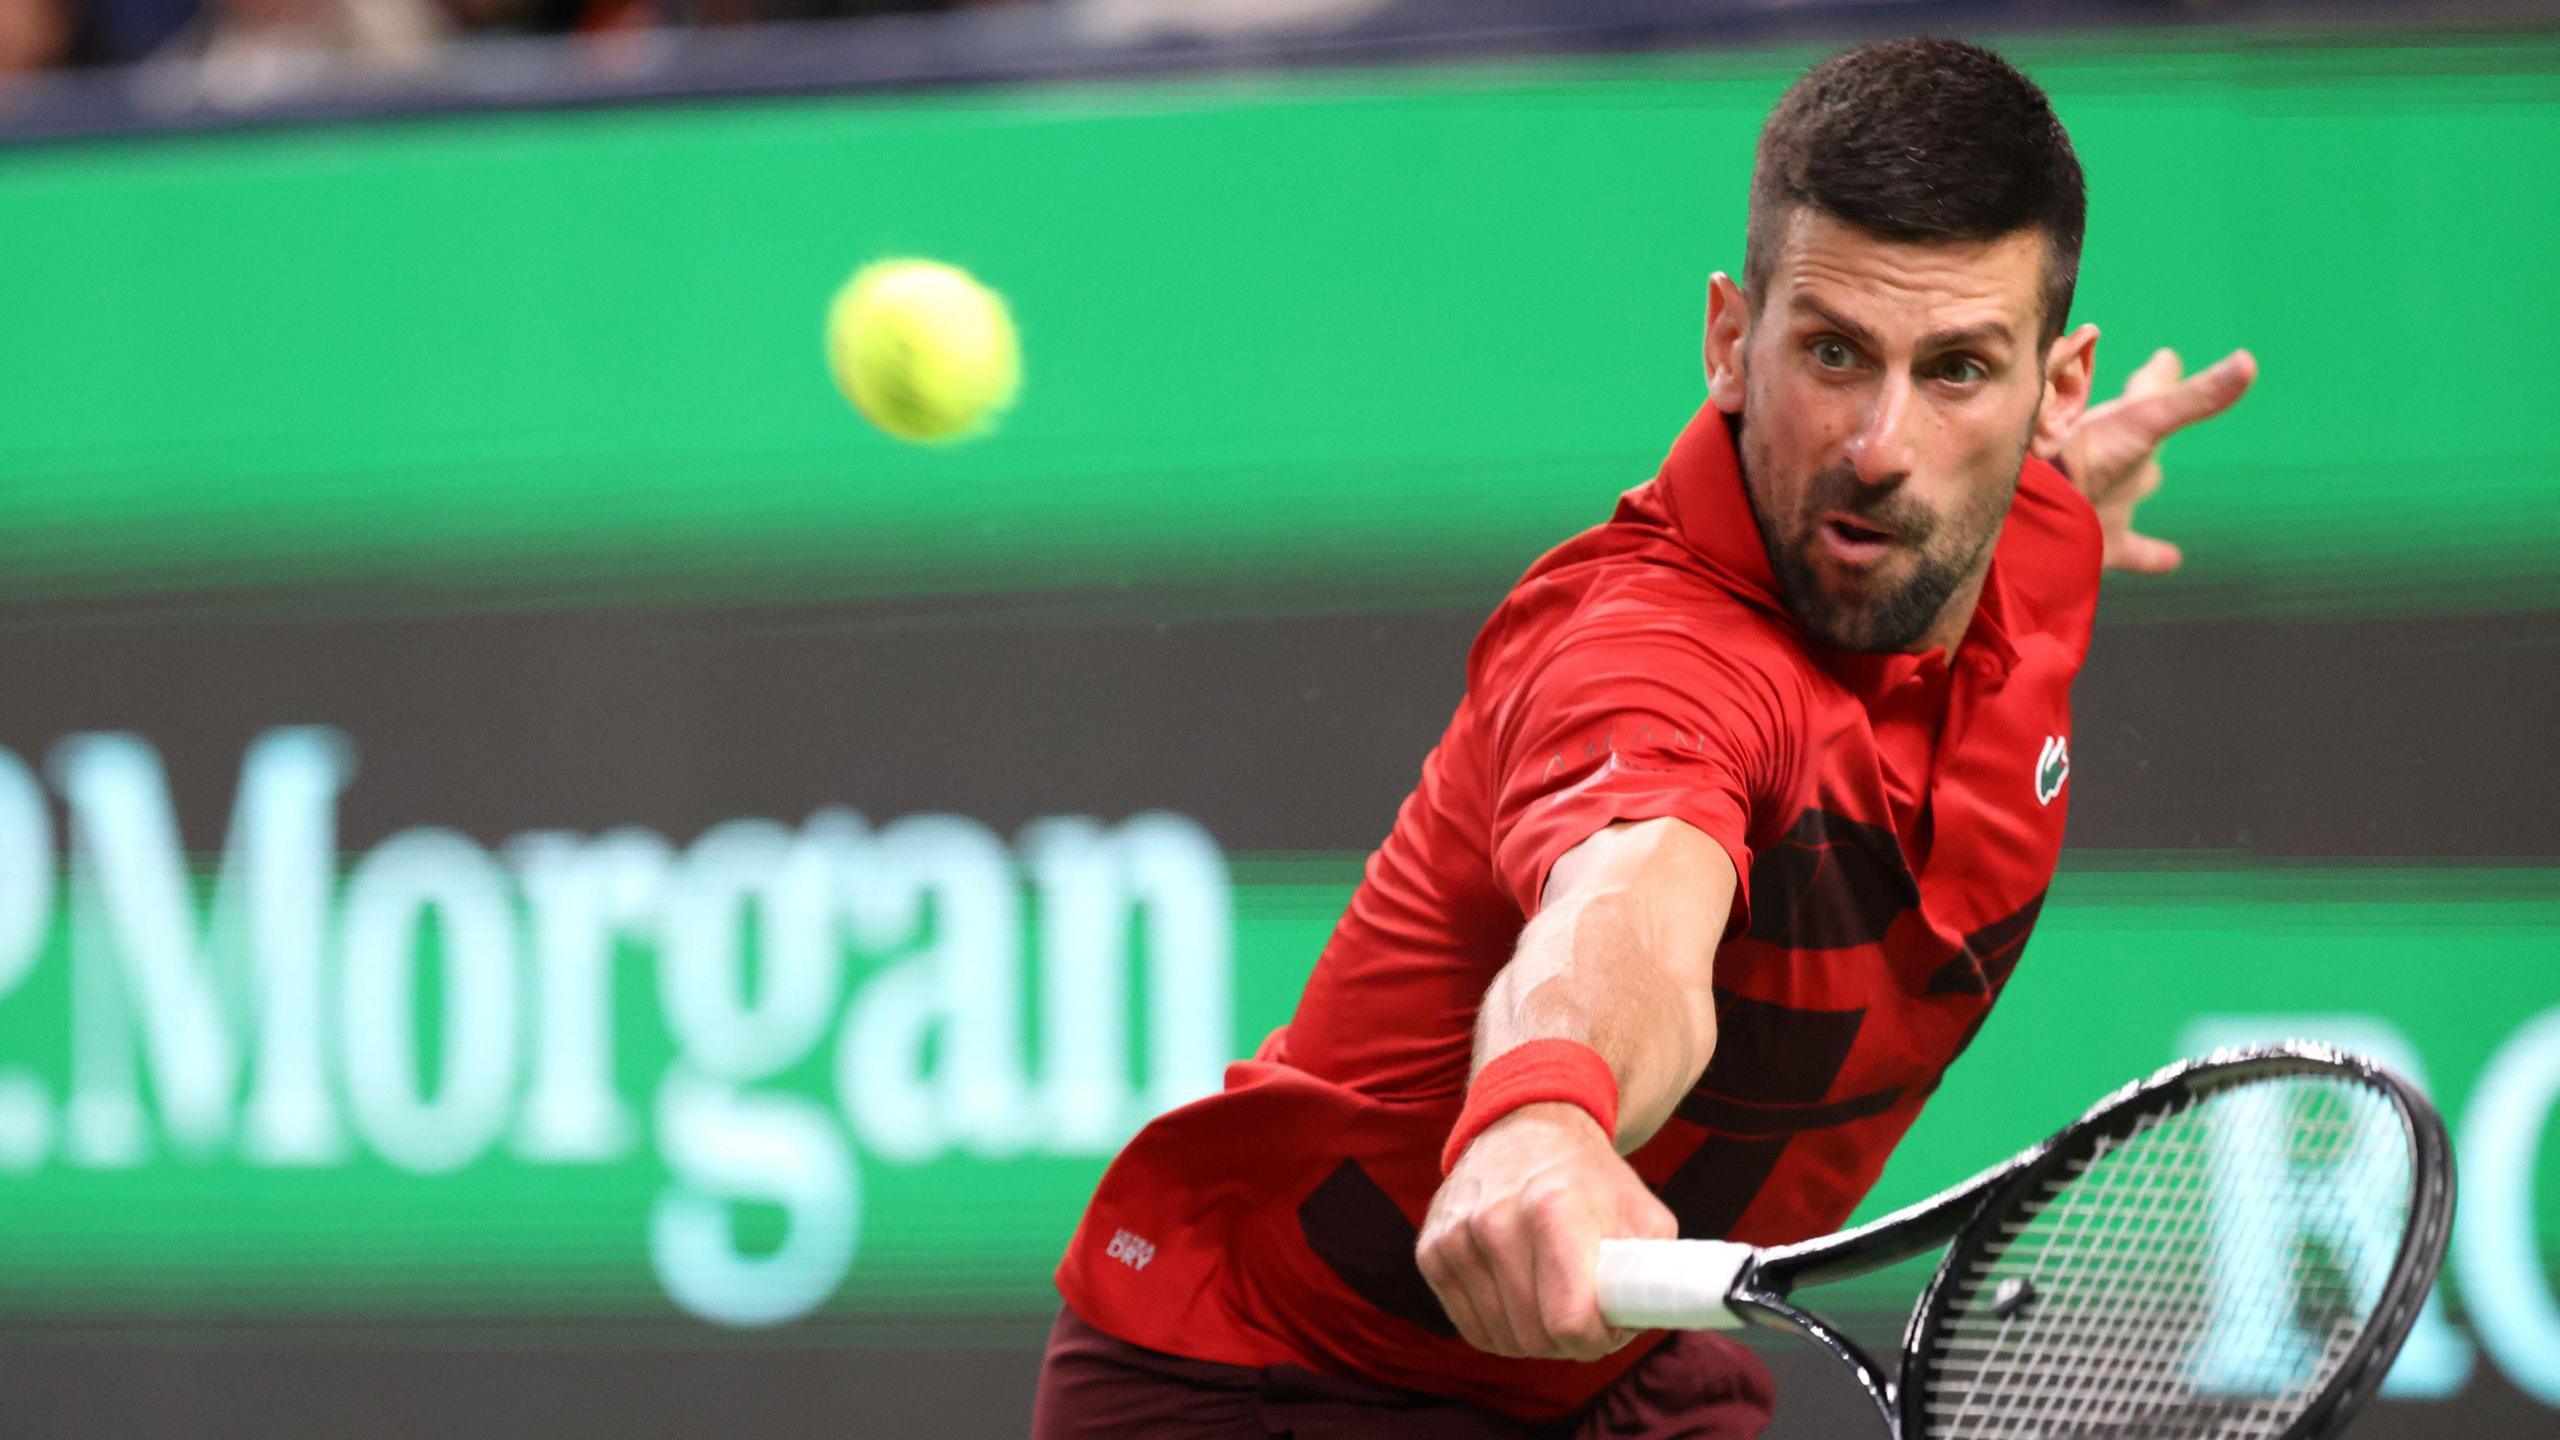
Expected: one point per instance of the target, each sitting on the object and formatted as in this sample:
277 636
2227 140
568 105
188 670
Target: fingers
2143 555
2156 374
2167 404
1450 1266
1647 1218
1519 1276
1502 1255
1450 1286
1566 1257
2111 455
1483 1272
1479 1266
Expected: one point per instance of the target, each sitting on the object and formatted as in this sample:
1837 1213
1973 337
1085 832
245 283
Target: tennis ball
923 350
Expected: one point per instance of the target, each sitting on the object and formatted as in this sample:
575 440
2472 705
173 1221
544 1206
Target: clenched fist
1513 1238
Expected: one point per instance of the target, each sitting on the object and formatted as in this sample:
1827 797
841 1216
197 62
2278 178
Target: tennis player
1737 835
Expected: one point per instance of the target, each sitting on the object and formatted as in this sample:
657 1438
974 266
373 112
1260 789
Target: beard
1945 551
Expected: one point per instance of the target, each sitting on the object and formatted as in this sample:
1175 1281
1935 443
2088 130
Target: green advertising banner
1276 329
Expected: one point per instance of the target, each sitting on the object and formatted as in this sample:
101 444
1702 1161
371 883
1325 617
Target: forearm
1621 964
1618 959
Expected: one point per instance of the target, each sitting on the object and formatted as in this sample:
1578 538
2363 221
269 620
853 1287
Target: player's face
1888 394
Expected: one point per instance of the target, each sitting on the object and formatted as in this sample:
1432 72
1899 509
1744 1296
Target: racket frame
1966 1218
2424 1235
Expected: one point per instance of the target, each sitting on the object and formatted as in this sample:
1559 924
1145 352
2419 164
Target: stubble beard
1947 553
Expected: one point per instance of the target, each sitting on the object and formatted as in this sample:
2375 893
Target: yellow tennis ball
923 350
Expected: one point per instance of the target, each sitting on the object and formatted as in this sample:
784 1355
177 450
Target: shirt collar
1701 484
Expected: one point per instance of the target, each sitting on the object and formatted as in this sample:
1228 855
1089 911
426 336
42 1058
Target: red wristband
1563 1071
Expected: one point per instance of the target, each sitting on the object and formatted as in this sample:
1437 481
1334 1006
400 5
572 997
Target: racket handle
1670 1284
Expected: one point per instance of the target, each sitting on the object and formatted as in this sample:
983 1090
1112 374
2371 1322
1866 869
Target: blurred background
555 883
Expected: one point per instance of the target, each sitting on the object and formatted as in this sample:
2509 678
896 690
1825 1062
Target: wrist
1554 1122
1545 1074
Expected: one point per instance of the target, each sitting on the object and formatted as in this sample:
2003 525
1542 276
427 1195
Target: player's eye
1832 354
1963 370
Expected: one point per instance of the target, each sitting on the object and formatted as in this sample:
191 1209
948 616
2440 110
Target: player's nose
1881 450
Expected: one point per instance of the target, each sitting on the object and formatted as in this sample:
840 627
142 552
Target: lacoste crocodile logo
2053 767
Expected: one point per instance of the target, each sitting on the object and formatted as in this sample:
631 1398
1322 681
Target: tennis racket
2234 1247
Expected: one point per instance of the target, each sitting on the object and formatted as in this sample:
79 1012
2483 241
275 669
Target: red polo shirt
1895 820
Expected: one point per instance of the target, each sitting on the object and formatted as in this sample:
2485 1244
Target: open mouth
1854 542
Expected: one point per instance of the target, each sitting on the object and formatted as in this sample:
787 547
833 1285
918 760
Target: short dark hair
1921 140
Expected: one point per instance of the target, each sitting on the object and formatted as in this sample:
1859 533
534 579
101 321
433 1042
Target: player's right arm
1618 958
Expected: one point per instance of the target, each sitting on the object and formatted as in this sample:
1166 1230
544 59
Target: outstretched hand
2112 451
1512 1244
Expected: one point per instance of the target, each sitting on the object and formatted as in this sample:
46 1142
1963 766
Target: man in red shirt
1738 833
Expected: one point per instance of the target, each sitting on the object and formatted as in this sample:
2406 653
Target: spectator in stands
243 53
34 35
240 53
119 32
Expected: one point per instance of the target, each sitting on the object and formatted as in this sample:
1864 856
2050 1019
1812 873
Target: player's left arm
2111 451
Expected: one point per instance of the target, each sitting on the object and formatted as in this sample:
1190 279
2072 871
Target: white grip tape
1670 1284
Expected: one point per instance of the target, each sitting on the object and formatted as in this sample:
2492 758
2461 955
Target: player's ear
1728 330
2070 372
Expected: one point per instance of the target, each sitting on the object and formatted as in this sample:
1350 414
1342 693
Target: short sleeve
1637 724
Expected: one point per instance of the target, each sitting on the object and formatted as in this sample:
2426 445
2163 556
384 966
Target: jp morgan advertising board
435 1006
775 1069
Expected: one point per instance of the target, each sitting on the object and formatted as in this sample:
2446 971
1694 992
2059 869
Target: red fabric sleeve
1638 724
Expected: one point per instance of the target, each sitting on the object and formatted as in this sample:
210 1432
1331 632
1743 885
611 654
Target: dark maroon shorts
1093 1387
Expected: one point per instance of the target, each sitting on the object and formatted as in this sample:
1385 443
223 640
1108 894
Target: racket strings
2203 1276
